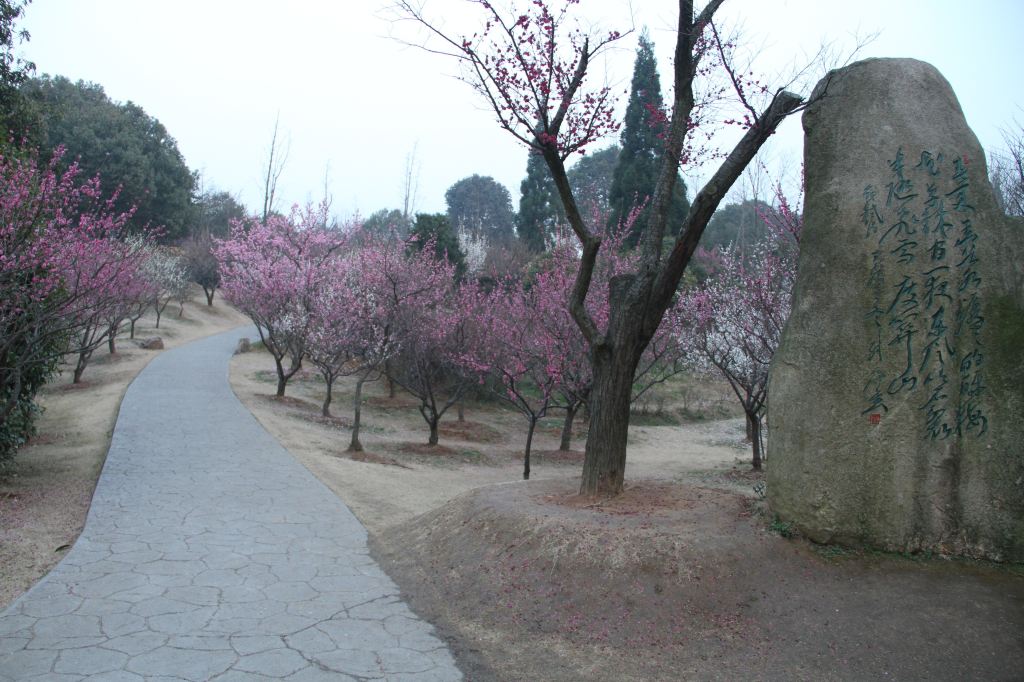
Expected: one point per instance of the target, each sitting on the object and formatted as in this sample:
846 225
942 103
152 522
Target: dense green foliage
124 145
17 117
215 212
591 180
540 209
739 225
482 207
385 221
639 163
434 227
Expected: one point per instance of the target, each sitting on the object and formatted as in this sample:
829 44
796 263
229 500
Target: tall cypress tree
636 173
539 207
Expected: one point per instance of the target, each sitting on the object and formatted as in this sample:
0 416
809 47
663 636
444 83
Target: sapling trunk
325 410
112 338
570 416
755 423
461 408
357 407
433 430
529 445
83 360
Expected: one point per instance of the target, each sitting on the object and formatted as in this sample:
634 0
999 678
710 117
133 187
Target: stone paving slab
209 553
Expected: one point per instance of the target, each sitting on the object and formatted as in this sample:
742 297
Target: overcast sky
352 98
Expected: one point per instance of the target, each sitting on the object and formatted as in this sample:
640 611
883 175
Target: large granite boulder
896 413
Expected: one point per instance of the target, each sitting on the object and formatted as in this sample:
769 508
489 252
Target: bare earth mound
677 581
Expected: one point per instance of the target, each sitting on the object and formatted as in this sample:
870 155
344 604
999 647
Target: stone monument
896 413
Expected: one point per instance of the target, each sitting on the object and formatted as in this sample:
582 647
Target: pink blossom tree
432 332
271 271
355 323
735 318
531 67
512 346
104 274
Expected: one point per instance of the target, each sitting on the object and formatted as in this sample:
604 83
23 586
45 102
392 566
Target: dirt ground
684 576
46 491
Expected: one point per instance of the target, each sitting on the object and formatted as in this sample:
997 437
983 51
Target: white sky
217 72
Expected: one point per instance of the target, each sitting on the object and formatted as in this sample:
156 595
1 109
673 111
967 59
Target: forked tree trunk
570 416
209 295
357 406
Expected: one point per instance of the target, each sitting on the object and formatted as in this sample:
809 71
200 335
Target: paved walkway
209 553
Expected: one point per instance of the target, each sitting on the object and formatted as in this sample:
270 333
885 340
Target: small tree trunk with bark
750 428
433 421
325 409
357 406
755 425
209 295
461 408
570 416
529 445
391 382
112 338
83 360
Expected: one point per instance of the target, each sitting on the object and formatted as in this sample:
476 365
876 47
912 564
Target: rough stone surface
209 552
150 343
897 393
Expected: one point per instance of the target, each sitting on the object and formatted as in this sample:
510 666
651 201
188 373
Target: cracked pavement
209 553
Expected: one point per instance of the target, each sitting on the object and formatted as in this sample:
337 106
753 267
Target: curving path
210 553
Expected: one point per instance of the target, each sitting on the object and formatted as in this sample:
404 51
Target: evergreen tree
591 179
482 207
540 210
435 226
124 145
636 173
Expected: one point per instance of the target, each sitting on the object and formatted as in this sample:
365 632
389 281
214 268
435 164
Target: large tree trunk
357 407
605 460
570 416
